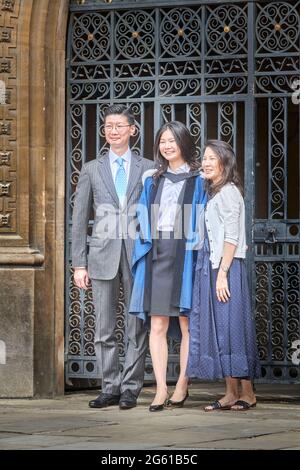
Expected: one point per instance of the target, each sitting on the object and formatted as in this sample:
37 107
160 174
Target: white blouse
169 199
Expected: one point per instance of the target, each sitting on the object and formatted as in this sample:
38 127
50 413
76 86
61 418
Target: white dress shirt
169 199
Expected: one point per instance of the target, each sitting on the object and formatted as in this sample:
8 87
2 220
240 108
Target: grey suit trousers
105 295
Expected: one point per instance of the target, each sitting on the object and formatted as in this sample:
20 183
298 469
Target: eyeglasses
118 127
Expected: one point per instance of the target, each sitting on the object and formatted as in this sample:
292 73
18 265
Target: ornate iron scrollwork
134 35
192 63
180 32
226 30
277 27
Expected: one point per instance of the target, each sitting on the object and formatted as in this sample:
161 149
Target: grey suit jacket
112 223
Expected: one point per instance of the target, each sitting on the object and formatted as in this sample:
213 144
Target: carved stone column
32 161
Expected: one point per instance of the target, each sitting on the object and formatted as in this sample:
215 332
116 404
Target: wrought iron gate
226 70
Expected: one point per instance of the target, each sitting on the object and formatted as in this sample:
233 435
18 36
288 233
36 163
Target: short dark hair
122 110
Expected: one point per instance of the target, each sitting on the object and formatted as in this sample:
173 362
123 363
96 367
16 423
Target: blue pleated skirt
222 335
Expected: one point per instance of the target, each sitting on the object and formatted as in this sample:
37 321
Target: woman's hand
222 290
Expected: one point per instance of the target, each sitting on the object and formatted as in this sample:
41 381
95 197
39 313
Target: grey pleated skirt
162 276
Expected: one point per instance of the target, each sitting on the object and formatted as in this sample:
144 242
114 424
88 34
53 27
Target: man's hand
81 278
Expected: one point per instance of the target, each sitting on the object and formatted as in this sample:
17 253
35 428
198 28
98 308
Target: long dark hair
227 160
185 142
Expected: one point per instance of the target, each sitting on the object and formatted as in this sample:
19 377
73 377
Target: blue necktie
121 181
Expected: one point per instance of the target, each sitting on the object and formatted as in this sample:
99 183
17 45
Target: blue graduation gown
143 245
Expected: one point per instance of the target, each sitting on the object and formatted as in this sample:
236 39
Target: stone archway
32 162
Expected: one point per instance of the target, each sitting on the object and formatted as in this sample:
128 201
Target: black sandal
217 406
244 405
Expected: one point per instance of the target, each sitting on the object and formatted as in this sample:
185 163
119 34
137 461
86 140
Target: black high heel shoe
178 404
157 407
160 407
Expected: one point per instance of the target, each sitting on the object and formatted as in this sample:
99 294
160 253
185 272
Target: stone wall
32 162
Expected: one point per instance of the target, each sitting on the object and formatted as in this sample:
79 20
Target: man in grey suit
113 184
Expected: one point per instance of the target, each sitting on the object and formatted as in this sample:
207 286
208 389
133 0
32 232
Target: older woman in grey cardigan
222 331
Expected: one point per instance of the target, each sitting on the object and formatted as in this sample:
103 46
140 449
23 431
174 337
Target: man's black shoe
127 400
104 399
